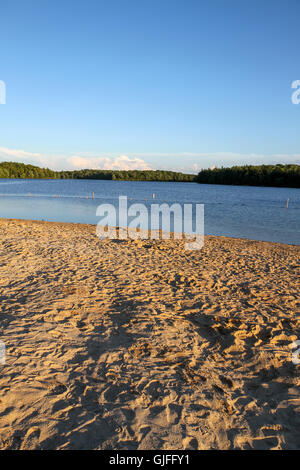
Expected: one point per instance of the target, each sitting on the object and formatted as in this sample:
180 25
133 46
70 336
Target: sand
118 344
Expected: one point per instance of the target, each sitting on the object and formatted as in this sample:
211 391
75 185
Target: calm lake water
237 211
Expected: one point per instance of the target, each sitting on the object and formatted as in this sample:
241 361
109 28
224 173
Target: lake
256 213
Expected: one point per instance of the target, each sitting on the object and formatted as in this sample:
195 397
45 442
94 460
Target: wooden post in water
93 197
287 203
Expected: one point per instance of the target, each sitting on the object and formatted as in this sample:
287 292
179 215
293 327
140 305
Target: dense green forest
129 175
20 170
260 175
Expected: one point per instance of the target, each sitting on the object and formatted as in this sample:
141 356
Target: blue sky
177 84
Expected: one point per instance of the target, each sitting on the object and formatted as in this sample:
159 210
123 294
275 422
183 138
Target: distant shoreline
149 181
277 176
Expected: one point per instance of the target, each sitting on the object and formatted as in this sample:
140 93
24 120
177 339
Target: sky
149 84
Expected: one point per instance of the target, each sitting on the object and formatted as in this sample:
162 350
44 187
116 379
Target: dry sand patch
144 345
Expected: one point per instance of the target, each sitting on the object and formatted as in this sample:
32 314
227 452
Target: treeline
250 175
128 175
20 170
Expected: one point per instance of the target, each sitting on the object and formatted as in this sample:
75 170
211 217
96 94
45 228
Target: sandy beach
120 344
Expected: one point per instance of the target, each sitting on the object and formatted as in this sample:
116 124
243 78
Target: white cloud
74 162
22 156
13 153
186 162
105 163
